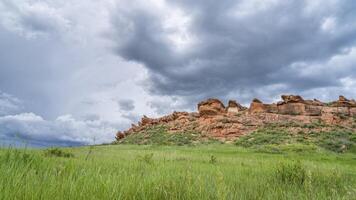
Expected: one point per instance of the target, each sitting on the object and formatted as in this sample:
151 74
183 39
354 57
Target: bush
291 173
56 152
213 159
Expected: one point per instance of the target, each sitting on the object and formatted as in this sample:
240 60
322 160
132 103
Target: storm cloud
238 47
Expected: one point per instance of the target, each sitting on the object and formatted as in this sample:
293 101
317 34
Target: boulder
145 120
234 107
343 99
255 100
211 107
257 106
120 135
292 99
148 121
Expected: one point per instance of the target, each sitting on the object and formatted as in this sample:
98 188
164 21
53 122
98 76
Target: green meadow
209 171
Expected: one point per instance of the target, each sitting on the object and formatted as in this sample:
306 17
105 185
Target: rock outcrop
257 106
211 107
234 107
214 120
343 102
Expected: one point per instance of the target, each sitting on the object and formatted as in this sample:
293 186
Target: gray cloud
239 46
126 104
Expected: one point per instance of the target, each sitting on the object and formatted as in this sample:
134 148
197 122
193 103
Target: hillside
290 120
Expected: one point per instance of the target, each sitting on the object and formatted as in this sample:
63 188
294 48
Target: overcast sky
75 72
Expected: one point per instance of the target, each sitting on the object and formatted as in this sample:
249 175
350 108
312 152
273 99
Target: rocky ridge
216 121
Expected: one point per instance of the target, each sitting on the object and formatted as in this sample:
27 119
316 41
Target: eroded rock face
257 106
214 120
313 110
234 107
271 108
211 107
291 109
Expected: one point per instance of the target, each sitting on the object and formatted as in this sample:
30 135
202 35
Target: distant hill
293 118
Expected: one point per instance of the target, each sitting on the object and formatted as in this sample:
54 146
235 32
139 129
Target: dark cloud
126 104
239 47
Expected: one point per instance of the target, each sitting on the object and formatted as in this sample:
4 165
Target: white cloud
329 24
63 130
9 104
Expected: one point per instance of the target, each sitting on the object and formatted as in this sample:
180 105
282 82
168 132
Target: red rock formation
211 107
343 102
292 99
216 121
234 107
257 106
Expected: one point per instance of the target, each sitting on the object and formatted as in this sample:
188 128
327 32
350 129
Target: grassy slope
278 140
175 172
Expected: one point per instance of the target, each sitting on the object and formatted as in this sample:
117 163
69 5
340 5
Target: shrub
56 152
291 173
213 159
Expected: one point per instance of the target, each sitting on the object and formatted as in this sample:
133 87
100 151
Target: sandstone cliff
214 120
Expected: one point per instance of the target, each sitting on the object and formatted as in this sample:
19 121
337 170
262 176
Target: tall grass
175 172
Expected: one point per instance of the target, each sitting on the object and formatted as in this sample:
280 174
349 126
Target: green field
213 171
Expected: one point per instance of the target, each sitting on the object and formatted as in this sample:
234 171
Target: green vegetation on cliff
158 135
277 139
